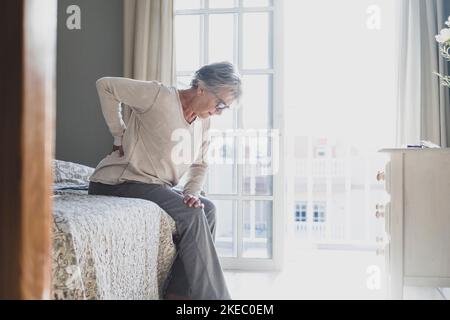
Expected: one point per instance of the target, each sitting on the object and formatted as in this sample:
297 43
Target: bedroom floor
320 274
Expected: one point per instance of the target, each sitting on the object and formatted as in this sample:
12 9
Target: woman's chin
204 115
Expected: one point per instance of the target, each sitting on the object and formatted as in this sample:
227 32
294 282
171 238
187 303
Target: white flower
443 36
448 22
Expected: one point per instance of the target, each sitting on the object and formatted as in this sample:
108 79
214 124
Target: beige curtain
149 42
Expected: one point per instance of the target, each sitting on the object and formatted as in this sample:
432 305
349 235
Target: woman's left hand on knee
193 201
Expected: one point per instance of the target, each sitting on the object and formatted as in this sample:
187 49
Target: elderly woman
143 165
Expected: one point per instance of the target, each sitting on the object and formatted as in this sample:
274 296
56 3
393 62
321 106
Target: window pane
222 3
256 40
255 102
226 228
256 3
187 42
257 224
221 39
259 165
183 82
187 4
258 141
225 121
222 171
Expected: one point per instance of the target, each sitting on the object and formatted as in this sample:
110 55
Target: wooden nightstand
417 218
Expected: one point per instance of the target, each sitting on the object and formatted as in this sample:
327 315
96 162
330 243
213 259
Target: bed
106 247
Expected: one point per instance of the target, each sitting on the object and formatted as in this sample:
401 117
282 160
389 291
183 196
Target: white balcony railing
319 231
321 167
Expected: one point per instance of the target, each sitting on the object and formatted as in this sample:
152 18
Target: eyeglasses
220 104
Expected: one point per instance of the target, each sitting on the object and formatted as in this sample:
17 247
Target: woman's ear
200 91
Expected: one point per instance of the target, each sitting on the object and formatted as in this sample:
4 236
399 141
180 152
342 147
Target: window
300 212
333 128
319 213
321 152
241 32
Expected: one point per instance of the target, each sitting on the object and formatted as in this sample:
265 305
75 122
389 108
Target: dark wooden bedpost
27 91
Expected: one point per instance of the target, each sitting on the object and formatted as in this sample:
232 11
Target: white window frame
278 196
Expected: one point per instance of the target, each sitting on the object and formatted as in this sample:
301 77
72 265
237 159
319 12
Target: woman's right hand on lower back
120 148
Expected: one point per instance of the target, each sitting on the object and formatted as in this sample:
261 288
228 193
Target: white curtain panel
422 103
149 42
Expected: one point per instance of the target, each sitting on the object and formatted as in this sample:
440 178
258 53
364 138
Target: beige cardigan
160 146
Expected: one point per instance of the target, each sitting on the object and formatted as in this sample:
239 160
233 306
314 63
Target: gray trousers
196 271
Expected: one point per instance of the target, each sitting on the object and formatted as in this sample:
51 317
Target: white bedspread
115 243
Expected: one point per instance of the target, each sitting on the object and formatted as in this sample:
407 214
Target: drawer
387 177
387 259
387 219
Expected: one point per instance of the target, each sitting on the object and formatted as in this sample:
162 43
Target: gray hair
217 76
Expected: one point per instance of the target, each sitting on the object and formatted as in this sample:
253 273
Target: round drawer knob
380 176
